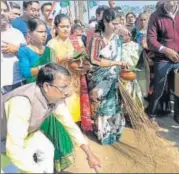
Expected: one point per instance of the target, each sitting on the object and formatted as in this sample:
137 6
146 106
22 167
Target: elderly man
31 9
163 40
25 110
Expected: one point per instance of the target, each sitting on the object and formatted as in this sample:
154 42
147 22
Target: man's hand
93 162
8 48
171 54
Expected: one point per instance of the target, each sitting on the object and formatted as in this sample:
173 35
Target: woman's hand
123 65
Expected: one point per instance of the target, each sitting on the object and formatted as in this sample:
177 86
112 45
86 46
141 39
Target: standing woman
35 54
103 81
64 50
31 58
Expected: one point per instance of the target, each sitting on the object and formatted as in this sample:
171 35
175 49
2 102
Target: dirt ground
127 156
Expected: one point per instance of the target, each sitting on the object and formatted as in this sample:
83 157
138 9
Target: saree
130 54
86 122
53 129
63 48
104 93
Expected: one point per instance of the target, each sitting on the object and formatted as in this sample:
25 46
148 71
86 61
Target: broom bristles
136 113
146 131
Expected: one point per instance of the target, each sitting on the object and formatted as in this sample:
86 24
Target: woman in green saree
32 57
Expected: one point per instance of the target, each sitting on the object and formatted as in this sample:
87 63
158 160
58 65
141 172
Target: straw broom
153 146
136 113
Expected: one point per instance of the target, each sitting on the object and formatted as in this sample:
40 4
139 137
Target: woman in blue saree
103 81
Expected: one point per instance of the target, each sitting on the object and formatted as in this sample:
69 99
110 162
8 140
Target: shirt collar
171 13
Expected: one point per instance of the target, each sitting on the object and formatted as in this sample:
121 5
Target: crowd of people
60 77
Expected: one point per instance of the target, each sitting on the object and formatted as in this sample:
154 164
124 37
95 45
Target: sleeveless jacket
39 105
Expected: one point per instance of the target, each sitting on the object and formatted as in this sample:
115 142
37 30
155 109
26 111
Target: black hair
108 15
130 13
49 72
15 5
27 3
118 9
45 4
34 23
59 18
101 8
92 20
75 27
77 21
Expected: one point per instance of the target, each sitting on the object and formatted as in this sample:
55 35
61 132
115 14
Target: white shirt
18 113
10 72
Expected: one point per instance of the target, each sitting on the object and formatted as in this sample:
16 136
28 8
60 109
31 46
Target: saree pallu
105 95
130 54
53 129
86 122
83 97
106 105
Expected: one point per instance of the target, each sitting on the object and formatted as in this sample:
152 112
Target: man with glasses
25 110
31 9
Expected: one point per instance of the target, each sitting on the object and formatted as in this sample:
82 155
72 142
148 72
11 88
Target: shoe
151 116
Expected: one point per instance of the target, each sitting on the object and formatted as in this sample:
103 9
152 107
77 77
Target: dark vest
39 106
